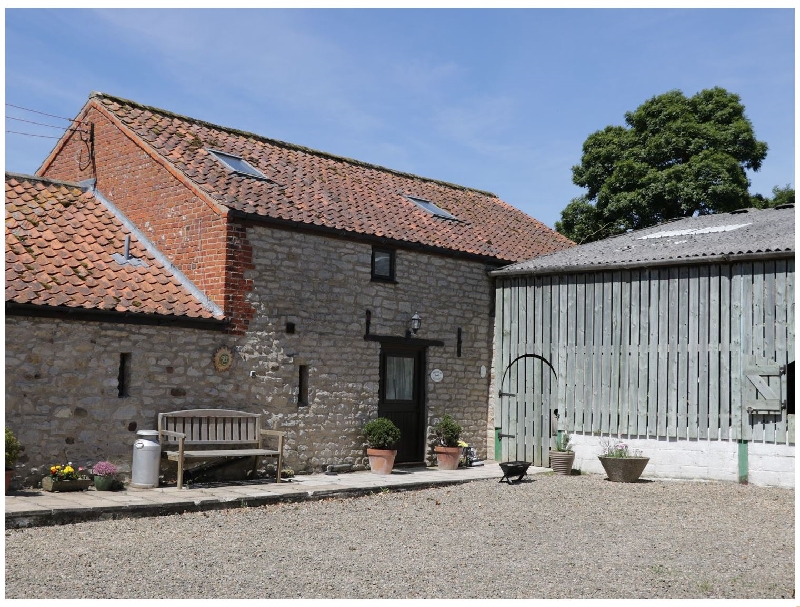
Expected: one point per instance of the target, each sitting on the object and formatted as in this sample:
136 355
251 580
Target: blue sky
499 100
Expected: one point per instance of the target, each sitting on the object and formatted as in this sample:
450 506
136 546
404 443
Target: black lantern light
416 322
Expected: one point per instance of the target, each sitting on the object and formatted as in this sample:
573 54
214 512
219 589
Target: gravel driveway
548 537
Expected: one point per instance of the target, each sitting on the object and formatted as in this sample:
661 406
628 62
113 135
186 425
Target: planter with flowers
448 451
562 458
104 476
66 478
381 435
622 464
12 453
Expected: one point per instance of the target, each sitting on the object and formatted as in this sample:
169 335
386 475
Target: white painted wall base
769 465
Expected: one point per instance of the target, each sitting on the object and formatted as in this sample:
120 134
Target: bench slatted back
212 426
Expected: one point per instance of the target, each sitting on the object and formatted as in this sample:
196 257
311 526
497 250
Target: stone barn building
317 265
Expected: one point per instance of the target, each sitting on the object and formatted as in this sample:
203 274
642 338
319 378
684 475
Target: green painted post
498 449
743 465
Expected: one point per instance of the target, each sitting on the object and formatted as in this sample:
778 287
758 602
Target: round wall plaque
223 358
437 375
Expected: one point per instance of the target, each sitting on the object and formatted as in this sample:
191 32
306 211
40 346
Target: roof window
430 207
237 164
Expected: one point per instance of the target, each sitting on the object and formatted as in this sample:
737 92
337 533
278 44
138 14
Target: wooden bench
216 433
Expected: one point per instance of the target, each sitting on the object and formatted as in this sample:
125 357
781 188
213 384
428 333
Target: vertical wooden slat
616 338
714 383
790 334
530 345
702 362
644 352
571 359
782 356
625 349
605 351
545 373
562 345
652 355
538 410
694 337
507 385
499 357
683 342
663 341
588 354
580 352
634 360
513 371
597 359
774 422
725 375
739 430
674 352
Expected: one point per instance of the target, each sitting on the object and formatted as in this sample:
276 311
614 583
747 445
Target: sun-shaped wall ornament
223 358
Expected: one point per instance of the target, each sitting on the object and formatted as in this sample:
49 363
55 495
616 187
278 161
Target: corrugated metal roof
744 233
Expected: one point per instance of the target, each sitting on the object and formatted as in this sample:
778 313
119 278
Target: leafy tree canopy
779 196
677 156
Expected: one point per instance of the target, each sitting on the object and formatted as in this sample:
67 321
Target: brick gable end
196 237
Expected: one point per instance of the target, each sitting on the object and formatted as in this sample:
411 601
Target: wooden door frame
420 354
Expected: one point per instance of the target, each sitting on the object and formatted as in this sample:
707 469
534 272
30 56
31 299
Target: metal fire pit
517 468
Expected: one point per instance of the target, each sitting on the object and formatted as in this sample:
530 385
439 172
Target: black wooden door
402 399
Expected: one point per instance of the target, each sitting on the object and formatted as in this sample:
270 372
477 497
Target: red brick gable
304 186
60 251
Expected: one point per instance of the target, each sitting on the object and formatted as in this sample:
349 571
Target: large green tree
675 157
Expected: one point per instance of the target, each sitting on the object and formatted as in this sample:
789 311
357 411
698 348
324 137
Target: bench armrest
273 433
171 433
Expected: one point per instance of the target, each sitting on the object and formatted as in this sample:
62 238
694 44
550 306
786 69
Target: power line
52 126
32 135
19 107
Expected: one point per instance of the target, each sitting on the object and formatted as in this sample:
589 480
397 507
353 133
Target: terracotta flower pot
447 457
623 469
381 461
561 462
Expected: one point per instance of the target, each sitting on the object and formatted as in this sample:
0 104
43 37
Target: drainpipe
498 449
743 464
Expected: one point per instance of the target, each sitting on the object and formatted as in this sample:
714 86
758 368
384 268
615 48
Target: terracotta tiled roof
323 190
60 251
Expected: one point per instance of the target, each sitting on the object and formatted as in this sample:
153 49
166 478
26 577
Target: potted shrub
562 458
381 435
12 453
622 464
104 476
448 452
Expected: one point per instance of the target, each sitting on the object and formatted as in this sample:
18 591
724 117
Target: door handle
506 435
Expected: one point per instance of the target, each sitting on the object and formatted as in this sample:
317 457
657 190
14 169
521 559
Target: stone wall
62 375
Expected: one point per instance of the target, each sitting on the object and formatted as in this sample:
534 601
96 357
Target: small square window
383 264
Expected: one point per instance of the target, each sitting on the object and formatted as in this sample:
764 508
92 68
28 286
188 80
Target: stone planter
623 469
447 457
561 462
48 484
381 461
104 483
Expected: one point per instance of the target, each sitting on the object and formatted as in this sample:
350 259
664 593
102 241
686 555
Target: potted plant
562 458
12 453
104 476
381 435
448 453
66 478
622 464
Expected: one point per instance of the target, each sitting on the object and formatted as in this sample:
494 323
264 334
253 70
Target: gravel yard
549 537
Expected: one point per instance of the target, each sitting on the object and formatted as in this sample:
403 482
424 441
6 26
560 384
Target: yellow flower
53 468
69 469
461 443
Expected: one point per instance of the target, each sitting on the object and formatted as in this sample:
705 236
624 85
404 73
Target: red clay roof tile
60 243
316 188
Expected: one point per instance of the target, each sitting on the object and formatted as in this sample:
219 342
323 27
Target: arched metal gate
527 397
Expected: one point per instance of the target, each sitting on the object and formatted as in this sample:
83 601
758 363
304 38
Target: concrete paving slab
37 508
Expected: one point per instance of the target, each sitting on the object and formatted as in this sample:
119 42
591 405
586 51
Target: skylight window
430 207
238 164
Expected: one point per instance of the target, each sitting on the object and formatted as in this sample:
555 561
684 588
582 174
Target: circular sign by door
437 375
